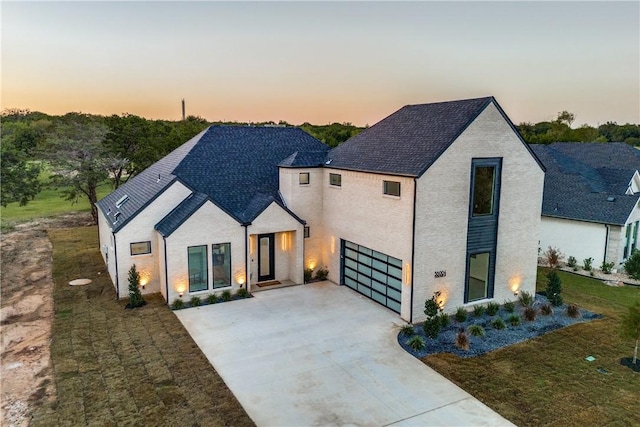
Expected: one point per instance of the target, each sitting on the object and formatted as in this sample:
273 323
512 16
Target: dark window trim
386 191
307 231
213 272
148 242
496 163
300 175
490 279
332 177
206 257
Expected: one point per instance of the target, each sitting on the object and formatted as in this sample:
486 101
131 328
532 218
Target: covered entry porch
275 259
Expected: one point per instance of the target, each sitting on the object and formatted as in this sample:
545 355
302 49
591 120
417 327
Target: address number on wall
441 273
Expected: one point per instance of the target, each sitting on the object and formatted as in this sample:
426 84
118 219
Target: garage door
373 274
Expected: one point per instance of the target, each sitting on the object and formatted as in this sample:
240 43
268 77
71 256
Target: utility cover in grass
494 338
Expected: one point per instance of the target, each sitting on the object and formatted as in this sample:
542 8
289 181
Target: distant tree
18 178
630 327
128 137
566 117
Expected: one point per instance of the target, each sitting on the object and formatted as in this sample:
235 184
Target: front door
266 264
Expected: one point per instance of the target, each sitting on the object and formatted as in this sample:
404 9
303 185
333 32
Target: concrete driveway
321 354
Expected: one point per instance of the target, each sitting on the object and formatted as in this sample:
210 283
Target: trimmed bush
498 323
476 330
526 299
226 295
212 299
478 310
461 315
606 267
530 314
416 342
632 265
177 304
514 320
572 262
493 308
242 293
308 275
432 327
462 341
587 263
554 288
195 301
322 274
546 310
573 311
509 306
407 330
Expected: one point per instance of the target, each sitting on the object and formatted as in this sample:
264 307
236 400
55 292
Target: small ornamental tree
553 256
631 327
554 287
433 324
632 265
135 297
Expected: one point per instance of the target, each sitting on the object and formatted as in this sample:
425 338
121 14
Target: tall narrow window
635 236
304 178
335 179
307 231
483 189
391 188
478 280
628 239
198 272
221 265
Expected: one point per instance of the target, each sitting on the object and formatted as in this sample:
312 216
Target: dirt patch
26 315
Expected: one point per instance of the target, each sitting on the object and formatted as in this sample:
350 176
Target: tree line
82 151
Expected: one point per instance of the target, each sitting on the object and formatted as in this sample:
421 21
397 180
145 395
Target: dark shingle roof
409 140
233 166
577 187
304 159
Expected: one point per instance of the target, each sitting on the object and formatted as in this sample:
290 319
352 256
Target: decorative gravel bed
494 338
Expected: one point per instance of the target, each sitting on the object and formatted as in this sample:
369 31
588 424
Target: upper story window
307 232
335 179
140 248
392 188
304 178
484 178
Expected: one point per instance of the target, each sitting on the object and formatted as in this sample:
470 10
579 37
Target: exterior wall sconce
515 293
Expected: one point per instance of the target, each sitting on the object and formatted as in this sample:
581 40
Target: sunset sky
321 62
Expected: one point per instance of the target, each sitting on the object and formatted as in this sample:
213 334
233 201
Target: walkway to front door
321 354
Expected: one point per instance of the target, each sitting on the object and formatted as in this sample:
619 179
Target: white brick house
436 197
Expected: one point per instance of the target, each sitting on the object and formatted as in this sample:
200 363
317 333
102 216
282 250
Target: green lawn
546 381
114 366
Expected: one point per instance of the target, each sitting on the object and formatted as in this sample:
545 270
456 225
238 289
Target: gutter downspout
247 281
166 274
413 246
115 255
606 243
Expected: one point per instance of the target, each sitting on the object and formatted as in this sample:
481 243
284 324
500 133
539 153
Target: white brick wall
443 207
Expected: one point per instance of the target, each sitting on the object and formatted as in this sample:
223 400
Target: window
306 231
221 265
335 179
626 254
478 276
483 190
140 248
198 272
304 178
391 188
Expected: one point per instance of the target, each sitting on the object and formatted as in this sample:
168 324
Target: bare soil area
26 316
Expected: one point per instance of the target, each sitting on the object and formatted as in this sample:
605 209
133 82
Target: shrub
195 301
546 310
498 323
572 262
632 265
432 327
525 298
242 293
630 327
212 299
493 308
586 263
322 274
308 275
509 306
461 315
407 330
554 287
226 295
553 256
530 314
514 320
416 343
606 267
476 330
432 306
177 304
573 311
478 310
135 297
462 341
445 320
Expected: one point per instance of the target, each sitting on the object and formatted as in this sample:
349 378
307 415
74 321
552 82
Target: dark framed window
307 232
221 254
303 178
392 188
140 248
335 179
478 276
484 180
198 271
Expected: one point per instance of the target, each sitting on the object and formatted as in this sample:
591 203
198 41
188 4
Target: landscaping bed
494 338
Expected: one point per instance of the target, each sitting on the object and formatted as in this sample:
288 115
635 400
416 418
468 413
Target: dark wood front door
266 258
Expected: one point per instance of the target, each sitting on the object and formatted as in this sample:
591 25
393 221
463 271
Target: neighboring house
436 197
590 207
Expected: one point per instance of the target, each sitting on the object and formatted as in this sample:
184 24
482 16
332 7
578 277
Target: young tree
18 179
631 327
135 297
554 287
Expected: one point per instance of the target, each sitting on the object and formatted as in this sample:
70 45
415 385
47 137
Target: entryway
266 257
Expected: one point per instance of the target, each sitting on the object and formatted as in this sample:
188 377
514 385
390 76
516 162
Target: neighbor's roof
410 140
587 182
236 167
